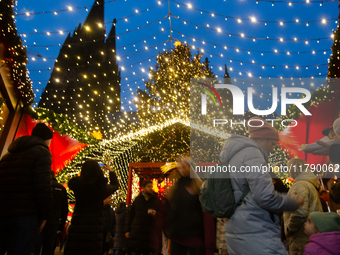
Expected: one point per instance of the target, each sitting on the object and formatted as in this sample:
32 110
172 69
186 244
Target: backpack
217 197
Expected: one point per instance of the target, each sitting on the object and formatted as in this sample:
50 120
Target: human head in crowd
296 166
183 166
324 194
336 130
334 194
91 170
261 132
107 201
329 132
328 177
320 222
44 132
147 187
186 170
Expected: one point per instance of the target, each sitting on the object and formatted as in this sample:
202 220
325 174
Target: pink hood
327 243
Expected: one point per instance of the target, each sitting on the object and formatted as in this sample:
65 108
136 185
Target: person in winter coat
253 228
85 234
323 230
25 191
119 239
306 185
109 221
185 222
56 221
141 222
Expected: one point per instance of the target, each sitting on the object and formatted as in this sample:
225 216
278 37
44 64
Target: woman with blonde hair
305 184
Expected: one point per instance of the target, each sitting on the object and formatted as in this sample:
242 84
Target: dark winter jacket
86 231
25 178
108 227
184 213
119 240
60 204
143 227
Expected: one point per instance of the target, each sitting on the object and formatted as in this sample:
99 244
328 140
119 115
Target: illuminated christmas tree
334 63
167 91
14 52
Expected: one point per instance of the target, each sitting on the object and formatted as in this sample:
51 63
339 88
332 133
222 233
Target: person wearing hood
85 234
306 185
119 239
323 230
253 228
25 191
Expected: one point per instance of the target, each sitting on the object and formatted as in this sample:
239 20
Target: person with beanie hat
256 221
25 191
42 131
323 230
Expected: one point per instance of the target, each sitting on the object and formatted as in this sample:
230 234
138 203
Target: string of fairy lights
130 73
158 106
253 19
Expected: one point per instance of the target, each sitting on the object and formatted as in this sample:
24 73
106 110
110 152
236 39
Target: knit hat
326 221
336 127
42 131
259 128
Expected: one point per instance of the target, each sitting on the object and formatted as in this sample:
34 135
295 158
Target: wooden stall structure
149 170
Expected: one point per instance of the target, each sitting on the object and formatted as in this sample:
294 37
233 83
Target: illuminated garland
2 101
162 137
334 63
60 123
15 57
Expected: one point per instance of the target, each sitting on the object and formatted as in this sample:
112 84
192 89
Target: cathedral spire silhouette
85 82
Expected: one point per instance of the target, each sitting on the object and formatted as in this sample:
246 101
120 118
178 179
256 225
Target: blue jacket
253 228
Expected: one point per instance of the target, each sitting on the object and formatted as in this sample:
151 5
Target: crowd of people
269 218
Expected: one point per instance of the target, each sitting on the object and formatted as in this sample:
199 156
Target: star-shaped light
96 134
177 43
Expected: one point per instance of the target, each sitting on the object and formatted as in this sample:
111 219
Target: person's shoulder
27 143
56 184
139 198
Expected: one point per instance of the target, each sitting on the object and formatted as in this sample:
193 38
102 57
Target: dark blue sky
213 26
